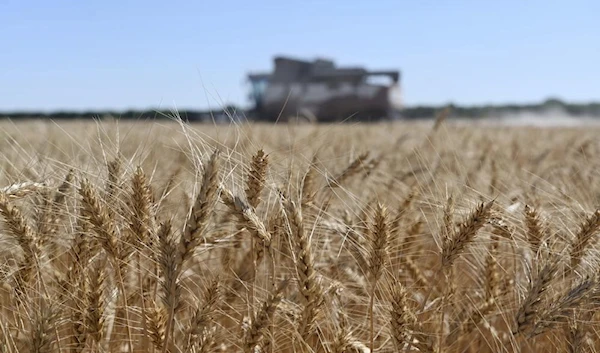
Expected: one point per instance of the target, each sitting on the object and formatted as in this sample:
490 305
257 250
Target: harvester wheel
305 116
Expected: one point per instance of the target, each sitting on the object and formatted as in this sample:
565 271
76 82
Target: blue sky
85 55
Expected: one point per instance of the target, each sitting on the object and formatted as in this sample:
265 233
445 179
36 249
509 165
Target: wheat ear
378 258
24 235
197 222
467 231
530 307
255 181
261 319
203 317
312 293
402 319
584 237
535 228
170 265
43 321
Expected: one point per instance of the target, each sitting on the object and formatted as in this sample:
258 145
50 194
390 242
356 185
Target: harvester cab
321 91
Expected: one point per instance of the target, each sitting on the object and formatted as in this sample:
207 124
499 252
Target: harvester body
319 90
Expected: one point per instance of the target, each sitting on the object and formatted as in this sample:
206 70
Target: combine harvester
319 91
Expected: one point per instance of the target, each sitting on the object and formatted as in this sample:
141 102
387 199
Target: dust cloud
548 118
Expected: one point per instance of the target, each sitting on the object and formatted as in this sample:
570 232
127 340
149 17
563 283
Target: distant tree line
235 113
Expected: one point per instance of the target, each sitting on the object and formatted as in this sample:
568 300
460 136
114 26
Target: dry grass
166 237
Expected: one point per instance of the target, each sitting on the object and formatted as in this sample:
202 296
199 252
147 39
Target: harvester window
258 90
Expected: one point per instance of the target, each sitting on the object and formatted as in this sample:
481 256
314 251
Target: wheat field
121 236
